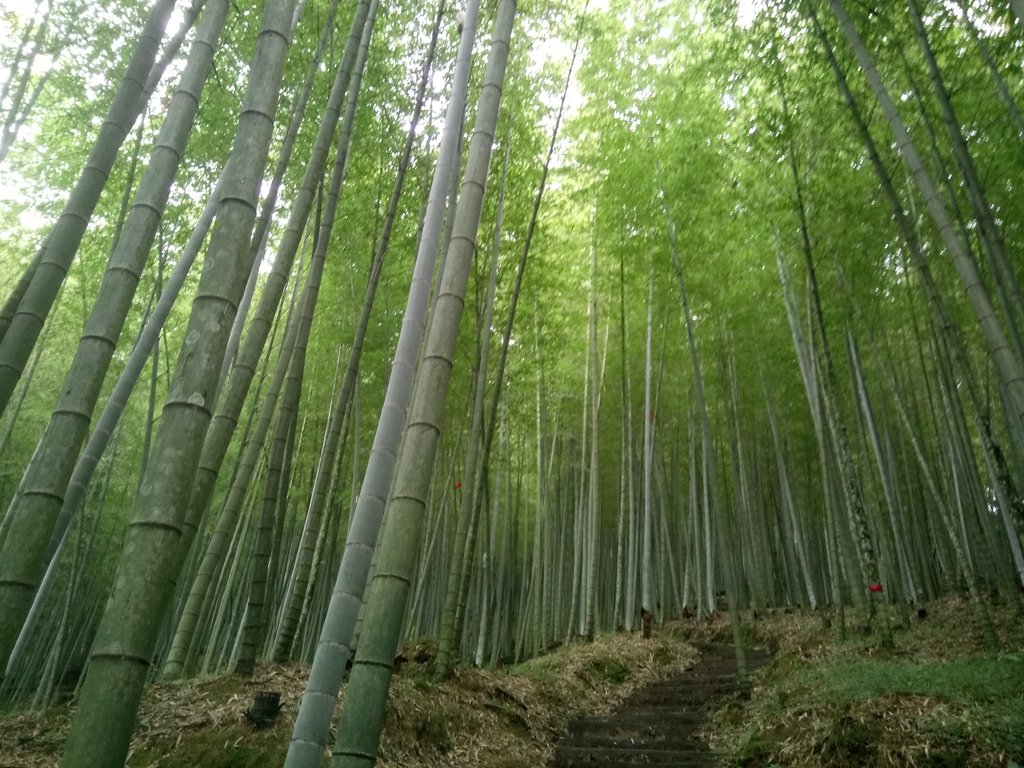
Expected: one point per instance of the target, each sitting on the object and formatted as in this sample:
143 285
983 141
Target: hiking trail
659 723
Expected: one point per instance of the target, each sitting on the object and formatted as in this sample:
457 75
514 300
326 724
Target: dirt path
658 724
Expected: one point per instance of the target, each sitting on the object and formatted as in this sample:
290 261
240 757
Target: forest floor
937 699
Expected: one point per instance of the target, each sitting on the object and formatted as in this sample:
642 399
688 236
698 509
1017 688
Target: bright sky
12 188
561 50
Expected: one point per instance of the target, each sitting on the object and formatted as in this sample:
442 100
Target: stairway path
658 724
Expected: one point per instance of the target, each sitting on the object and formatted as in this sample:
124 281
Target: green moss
608 669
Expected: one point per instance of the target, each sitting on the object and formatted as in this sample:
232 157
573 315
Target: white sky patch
16 189
14 13
19 8
556 49
559 49
747 10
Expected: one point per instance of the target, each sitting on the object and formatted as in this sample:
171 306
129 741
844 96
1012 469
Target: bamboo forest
358 356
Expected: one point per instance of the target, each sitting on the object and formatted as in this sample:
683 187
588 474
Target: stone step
683 694
638 756
697 760
687 681
658 724
638 718
725 666
753 657
696 677
683 739
675 712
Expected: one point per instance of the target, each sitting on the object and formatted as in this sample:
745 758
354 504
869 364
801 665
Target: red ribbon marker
458 487
874 588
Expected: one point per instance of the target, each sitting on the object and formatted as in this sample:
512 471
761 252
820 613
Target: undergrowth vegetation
936 700
501 718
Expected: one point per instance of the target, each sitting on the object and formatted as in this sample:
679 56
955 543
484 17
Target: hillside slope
937 699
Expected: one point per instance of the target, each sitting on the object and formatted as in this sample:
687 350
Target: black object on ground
265 707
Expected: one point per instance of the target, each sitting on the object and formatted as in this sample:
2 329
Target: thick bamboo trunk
62 243
1007 364
230 398
121 653
362 718
312 726
25 555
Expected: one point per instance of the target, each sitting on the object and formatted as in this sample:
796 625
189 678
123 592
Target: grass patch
963 712
979 679
608 669
936 700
